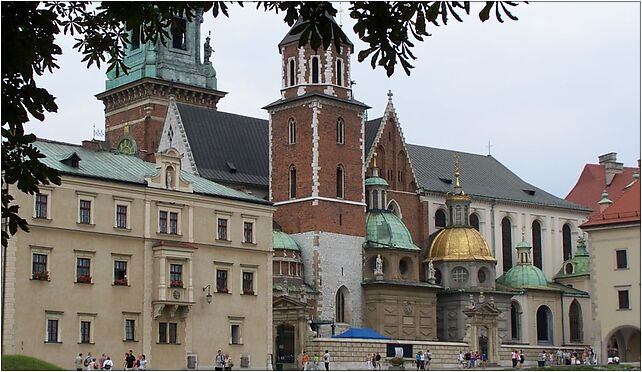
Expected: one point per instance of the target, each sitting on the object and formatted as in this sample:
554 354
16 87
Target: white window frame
87 317
44 191
252 220
236 321
127 203
179 220
44 251
91 197
254 269
121 257
135 316
91 255
53 315
224 215
227 266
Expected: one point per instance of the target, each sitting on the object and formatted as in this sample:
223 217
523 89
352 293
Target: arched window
566 241
339 72
340 181
537 244
515 321
375 199
474 221
393 207
341 306
292 182
440 218
291 131
315 70
507 245
544 325
340 130
292 72
575 322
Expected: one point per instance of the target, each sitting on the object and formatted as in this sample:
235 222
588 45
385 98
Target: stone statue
472 301
169 178
207 49
431 272
482 298
379 265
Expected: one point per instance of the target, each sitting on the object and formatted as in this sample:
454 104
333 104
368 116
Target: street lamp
208 297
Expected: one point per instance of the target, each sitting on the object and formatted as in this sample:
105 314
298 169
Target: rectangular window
162 221
83 270
621 259
173 223
130 329
179 33
248 232
41 205
248 283
85 211
52 330
236 334
176 275
162 333
120 272
221 281
39 265
85 332
222 229
173 339
121 216
167 333
623 299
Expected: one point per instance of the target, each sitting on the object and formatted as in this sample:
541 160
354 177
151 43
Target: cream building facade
126 254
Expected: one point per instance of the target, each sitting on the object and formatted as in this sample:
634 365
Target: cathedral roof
371 129
227 147
290 38
385 230
484 176
281 240
113 166
459 244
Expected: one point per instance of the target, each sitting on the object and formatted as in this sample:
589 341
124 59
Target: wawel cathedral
426 246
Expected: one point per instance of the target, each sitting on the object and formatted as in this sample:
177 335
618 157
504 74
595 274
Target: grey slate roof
222 142
290 38
481 176
113 166
371 130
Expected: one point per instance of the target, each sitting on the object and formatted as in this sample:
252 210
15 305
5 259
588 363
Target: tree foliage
29 31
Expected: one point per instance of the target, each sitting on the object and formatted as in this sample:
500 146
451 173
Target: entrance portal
285 344
483 341
625 344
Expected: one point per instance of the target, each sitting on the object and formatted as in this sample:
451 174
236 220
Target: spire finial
389 95
524 233
457 184
374 159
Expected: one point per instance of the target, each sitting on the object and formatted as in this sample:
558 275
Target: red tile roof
624 209
592 182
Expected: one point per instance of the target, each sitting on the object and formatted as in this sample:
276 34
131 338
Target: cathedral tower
316 171
136 103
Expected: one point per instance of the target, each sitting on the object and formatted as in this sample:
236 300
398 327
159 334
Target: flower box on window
120 282
84 279
248 291
222 290
41 275
176 284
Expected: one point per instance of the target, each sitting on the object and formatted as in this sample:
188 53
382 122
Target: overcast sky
551 91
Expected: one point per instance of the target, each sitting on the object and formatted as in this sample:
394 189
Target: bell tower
136 103
317 171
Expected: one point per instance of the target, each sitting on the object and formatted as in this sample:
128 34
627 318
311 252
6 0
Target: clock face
127 146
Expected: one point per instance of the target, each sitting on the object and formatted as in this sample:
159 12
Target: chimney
91 145
611 166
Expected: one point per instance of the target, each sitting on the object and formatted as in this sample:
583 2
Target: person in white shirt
142 363
326 360
108 364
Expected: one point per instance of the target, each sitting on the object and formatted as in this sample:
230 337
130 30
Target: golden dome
459 243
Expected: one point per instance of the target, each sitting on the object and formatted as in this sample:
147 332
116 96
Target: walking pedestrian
130 359
460 359
521 358
78 362
304 360
369 362
142 363
378 361
108 364
422 361
428 359
219 361
88 359
316 361
326 360
514 358
228 362
418 359
101 360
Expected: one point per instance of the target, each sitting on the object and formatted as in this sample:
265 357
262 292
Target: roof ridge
58 142
457 151
178 104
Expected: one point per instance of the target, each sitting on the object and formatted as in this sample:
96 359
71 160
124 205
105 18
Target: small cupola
458 203
376 198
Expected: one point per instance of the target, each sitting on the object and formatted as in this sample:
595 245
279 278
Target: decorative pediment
168 172
287 302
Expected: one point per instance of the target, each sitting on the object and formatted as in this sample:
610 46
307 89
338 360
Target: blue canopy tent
361 333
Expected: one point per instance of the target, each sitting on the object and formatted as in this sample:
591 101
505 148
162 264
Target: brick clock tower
317 174
136 103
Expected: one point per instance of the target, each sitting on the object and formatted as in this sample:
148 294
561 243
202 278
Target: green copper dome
524 276
385 230
376 181
578 265
281 240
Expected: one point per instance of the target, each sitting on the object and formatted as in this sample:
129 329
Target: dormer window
72 160
179 33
